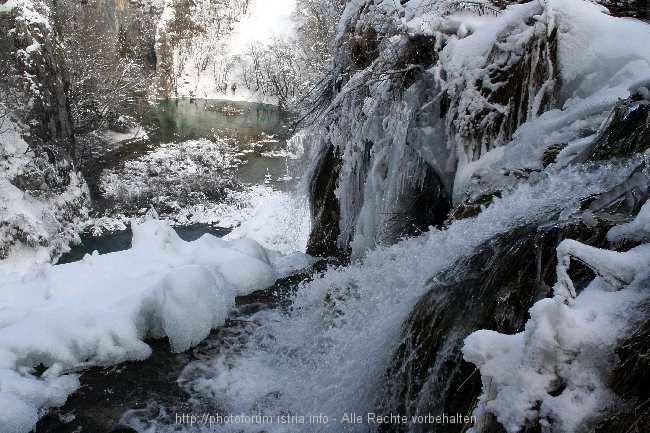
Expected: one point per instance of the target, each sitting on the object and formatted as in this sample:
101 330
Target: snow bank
555 372
276 219
98 311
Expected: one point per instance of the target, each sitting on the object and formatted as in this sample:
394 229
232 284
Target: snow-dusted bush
172 177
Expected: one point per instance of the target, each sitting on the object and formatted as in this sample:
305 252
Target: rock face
42 193
494 288
628 8
405 117
38 71
627 132
322 241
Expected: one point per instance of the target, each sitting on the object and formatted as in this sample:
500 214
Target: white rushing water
328 354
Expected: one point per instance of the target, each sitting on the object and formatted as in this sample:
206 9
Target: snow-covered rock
98 311
555 372
637 230
429 102
42 197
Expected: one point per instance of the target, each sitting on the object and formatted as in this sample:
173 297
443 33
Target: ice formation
480 112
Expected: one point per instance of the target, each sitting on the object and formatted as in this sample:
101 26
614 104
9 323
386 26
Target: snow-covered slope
99 311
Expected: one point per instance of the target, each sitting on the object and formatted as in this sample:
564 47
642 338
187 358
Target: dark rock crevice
325 207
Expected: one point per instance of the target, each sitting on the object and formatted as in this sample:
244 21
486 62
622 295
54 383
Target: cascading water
329 351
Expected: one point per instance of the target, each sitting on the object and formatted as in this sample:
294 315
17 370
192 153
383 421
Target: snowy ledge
98 311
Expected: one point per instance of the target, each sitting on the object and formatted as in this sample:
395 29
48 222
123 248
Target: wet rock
551 153
325 206
420 53
107 393
630 380
472 207
627 131
363 48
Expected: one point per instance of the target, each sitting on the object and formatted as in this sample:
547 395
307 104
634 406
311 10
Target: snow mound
555 372
98 311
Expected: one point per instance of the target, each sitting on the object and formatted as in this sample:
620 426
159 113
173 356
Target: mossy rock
472 207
